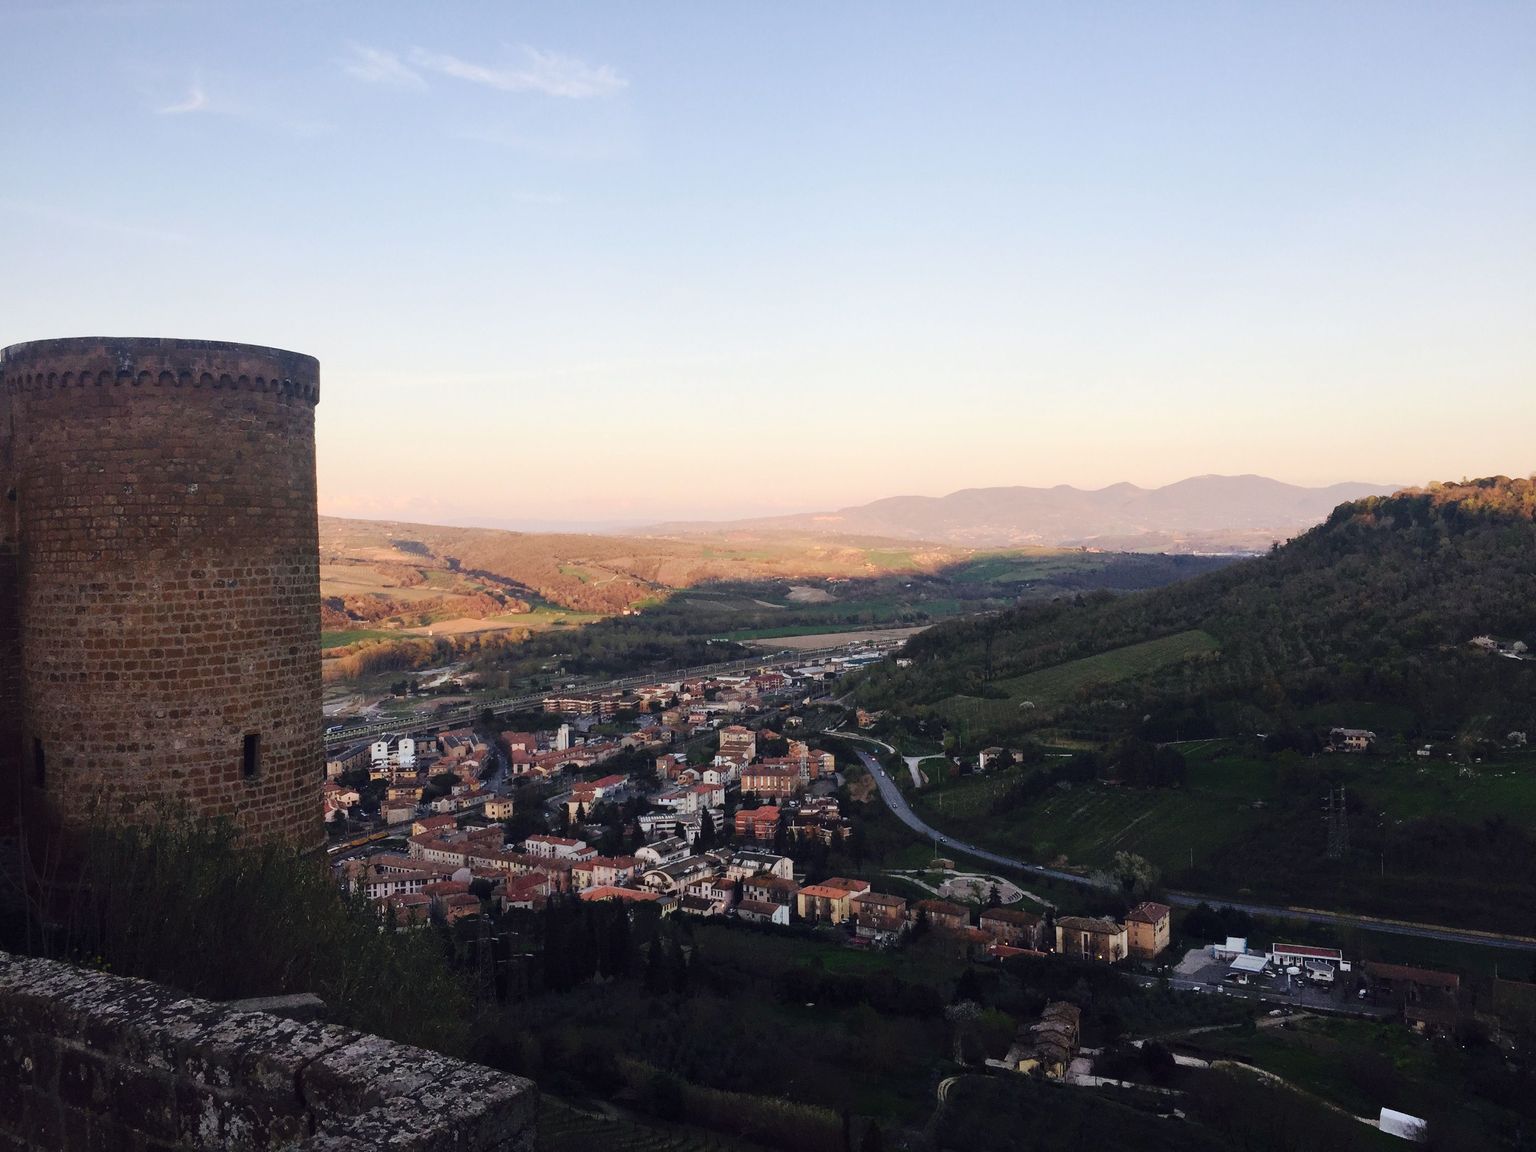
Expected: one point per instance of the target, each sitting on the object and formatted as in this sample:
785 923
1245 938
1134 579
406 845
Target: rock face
95 1061
159 583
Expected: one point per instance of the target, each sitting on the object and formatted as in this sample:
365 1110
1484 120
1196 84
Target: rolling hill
1203 513
396 574
1369 615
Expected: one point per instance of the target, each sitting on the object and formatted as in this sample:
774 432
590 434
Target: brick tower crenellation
162 586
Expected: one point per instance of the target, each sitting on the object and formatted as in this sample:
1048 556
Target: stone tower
159 585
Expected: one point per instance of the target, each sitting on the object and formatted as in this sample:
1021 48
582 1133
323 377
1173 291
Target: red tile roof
1149 912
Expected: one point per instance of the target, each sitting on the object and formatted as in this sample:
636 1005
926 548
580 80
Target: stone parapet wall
92 1061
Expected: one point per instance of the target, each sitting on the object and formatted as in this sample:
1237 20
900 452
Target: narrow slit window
39 763
250 756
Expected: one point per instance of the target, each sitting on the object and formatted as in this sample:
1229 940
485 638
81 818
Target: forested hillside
1370 614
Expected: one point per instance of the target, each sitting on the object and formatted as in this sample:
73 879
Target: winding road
898 805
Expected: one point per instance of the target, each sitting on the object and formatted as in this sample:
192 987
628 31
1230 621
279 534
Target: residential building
612 870
690 904
599 706
770 783
395 752
722 772
628 895
525 742
829 902
1014 927
410 910
1427 999
943 916
674 878
812 763
356 756
818 819
877 914
757 823
761 912
685 826
449 847
407 788
500 808
1147 929
558 847
738 743
434 824
740 864
1046 1047
662 852
766 888
529 890
714 887
1350 740
588 794
691 799
1089 938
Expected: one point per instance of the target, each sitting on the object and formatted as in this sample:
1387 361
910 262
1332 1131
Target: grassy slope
1053 687
1375 607
1087 824
1213 826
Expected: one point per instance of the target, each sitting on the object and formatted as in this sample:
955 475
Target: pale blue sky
656 260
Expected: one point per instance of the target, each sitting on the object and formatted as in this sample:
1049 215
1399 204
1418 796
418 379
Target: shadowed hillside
1377 605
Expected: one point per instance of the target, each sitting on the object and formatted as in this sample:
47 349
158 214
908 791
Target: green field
546 616
1090 823
1051 688
1020 567
1411 789
1226 795
352 636
1322 1056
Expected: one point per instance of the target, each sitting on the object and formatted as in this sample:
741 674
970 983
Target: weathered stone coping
93 1061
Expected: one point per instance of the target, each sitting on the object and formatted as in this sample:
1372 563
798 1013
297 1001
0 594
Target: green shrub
182 904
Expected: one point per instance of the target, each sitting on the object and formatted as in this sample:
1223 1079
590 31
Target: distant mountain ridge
1202 513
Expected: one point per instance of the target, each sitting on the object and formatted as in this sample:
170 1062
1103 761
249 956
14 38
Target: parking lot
1199 972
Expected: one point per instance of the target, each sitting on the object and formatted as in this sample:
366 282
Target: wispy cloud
195 101
379 66
537 70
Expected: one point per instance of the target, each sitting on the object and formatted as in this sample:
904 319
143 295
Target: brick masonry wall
166 581
10 636
91 1061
